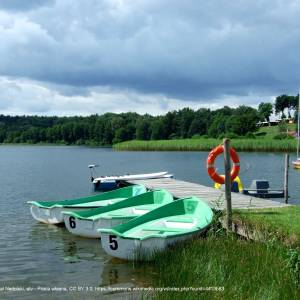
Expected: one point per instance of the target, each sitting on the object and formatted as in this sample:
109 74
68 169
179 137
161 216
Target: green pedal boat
88 222
141 237
50 212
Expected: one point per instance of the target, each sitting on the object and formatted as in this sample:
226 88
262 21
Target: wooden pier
215 198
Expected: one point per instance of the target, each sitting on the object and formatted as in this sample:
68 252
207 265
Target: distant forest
111 128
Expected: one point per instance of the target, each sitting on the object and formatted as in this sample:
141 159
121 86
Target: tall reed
204 144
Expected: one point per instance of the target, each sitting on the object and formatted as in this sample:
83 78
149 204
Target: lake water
38 255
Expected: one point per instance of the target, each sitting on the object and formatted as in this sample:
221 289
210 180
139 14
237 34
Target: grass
265 269
206 144
281 223
272 131
246 269
264 141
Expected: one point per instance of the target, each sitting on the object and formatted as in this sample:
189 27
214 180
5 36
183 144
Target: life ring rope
211 167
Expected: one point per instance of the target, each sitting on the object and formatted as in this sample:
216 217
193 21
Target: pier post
227 164
286 179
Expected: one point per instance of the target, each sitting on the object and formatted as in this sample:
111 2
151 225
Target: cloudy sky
67 57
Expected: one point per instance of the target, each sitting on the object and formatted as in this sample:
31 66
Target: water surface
33 254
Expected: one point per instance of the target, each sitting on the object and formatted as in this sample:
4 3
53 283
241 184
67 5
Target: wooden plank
214 198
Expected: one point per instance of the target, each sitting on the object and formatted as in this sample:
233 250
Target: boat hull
136 249
87 223
89 228
105 186
49 215
296 165
267 195
53 215
50 212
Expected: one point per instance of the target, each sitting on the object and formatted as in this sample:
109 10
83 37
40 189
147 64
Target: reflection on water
76 250
116 273
33 254
51 256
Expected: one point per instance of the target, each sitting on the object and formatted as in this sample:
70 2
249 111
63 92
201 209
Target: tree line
111 128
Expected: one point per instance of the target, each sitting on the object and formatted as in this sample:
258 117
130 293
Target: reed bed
206 144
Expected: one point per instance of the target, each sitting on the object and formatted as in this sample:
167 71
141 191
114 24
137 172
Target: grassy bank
266 269
206 144
246 270
280 223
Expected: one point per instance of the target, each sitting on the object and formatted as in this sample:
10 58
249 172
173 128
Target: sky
66 57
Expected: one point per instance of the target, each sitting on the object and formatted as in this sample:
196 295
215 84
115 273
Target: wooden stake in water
286 178
227 164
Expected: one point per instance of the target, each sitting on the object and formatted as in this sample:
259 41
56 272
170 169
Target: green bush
282 127
263 133
232 135
173 136
196 136
280 136
250 135
80 142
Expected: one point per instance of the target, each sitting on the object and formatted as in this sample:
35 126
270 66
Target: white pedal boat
88 222
132 177
111 182
50 212
142 237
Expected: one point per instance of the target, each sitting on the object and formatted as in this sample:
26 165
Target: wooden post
286 179
227 164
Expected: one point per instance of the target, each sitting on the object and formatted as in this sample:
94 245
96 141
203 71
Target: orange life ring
211 168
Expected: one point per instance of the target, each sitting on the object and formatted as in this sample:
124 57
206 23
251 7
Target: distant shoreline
54 144
199 144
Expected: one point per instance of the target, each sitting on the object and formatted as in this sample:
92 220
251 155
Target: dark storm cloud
196 50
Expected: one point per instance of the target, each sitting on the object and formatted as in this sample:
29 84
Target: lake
38 255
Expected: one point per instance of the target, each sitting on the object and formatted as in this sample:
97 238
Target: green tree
200 123
243 120
157 130
282 102
219 118
265 110
185 118
78 131
143 129
218 126
107 134
98 132
120 135
2 135
169 123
